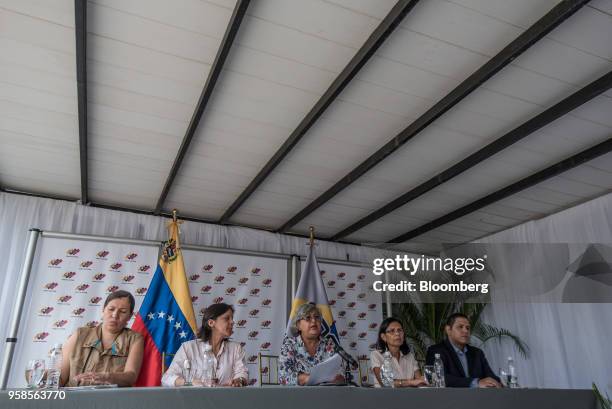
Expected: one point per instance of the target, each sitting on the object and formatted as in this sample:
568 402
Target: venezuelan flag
312 290
166 317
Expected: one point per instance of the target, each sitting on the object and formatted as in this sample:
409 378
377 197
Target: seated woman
304 348
230 368
109 353
405 367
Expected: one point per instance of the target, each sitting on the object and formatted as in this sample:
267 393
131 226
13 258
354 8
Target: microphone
346 356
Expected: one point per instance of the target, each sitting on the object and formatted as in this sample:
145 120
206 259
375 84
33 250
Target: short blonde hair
302 312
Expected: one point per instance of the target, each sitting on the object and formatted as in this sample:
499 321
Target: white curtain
20 213
570 344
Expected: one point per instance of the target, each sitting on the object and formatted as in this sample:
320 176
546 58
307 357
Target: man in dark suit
465 366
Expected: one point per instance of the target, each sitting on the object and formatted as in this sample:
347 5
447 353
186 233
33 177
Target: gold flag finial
311 228
174 212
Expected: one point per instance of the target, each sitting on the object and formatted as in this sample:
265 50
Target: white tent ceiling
148 61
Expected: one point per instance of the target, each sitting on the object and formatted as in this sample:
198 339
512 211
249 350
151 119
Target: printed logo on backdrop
252 360
144 269
206 289
267 303
95 300
82 288
64 300
194 278
131 257
350 286
194 299
207 268
101 255
60 325
256 271
232 270
219 279
115 267
266 324
341 275
230 291
241 323
45 311
141 291
254 292
55 263
267 283
99 277
73 252
50 287
112 289
243 281
85 265
41 336
68 276
243 302
128 279
78 312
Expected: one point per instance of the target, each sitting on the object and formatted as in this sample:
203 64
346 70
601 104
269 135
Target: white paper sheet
326 371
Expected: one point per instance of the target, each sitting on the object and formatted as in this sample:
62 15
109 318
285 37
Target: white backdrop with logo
256 287
355 306
68 284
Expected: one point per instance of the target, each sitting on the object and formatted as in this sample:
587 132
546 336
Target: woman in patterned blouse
305 348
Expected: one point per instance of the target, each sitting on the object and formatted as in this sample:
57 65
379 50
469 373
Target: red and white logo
64 299
46 310
60 323
95 300
207 268
232 269
112 289
99 277
128 279
218 300
219 279
72 252
256 271
144 268
206 289
194 277
86 264
55 262
82 288
102 254
40 337
78 312
243 301
50 286
116 266
141 291
131 257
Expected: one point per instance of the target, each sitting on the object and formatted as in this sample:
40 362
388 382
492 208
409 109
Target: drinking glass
430 375
34 373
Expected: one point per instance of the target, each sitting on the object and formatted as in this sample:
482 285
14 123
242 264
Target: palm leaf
485 332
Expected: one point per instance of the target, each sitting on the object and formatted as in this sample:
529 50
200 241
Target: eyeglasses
316 318
395 331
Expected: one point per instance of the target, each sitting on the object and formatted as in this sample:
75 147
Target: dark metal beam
376 39
570 103
538 177
552 19
80 19
213 75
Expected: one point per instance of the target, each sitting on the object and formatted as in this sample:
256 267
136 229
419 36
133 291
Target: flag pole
311 228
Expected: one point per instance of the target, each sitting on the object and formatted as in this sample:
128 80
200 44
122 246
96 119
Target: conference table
322 397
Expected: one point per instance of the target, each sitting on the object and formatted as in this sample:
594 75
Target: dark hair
382 345
121 294
450 321
213 312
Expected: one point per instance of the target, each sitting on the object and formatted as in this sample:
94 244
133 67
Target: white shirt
229 362
404 369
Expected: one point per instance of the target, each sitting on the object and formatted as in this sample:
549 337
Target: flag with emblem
165 318
312 290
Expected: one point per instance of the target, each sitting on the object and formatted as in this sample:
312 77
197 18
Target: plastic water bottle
439 372
55 367
209 366
386 371
512 378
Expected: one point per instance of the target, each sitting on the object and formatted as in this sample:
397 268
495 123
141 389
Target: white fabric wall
20 213
570 343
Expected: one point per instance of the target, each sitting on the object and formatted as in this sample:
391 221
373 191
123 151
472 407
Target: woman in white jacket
229 362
